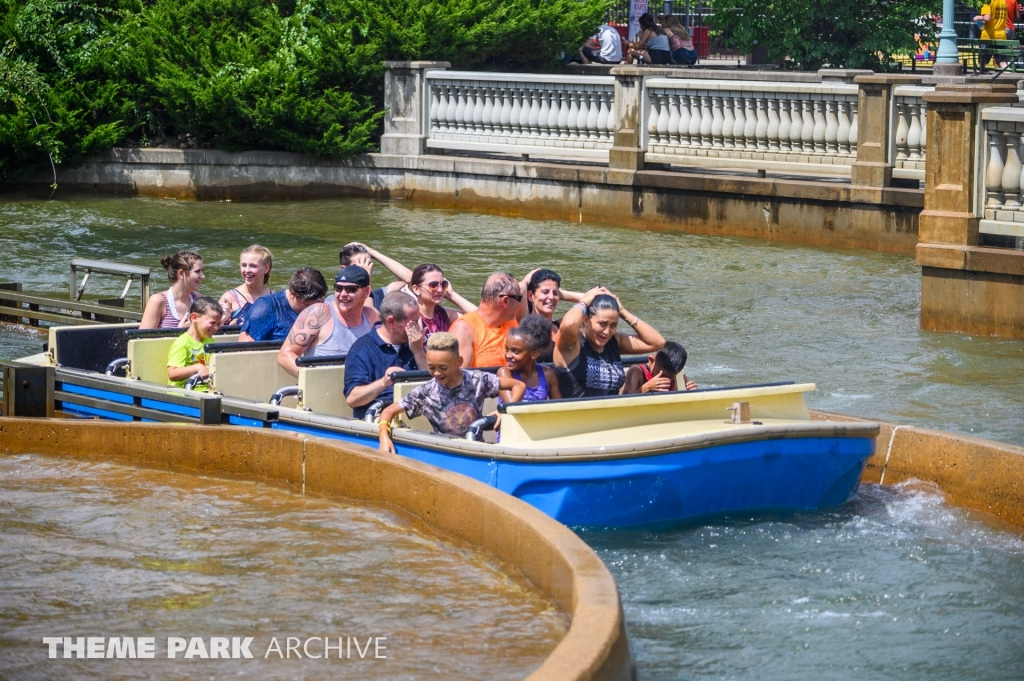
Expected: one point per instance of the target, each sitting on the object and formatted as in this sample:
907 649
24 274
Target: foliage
79 76
808 35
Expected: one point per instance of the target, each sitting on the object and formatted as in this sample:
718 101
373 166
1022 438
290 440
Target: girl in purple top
523 346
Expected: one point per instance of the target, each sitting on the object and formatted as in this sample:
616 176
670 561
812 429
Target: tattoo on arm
307 326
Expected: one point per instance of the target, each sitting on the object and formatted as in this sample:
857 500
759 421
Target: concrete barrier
555 560
978 474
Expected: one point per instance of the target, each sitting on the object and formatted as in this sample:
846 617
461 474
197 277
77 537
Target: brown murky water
100 550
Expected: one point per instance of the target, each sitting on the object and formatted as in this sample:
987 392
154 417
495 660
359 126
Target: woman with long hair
255 264
169 309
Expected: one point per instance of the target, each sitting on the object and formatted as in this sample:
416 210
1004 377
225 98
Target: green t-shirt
186 351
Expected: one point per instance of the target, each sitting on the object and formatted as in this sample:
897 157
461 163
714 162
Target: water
896 585
103 550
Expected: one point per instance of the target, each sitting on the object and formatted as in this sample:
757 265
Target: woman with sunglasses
428 284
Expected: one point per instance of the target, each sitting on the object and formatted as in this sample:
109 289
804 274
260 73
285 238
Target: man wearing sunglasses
482 333
330 328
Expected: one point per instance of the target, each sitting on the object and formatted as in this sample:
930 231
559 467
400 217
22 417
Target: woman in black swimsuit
589 345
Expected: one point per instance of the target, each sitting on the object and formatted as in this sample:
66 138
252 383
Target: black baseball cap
353 274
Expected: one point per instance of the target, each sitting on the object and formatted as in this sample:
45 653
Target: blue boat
651 460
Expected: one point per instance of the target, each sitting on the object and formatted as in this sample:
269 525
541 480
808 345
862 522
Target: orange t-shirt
488 341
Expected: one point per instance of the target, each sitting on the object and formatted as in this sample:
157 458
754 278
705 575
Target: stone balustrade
1001 192
514 113
789 127
911 131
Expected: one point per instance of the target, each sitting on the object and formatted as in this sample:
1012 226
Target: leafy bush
809 35
79 76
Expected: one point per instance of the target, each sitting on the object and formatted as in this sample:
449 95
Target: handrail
287 391
242 346
167 333
423 374
320 361
108 310
475 433
119 363
207 405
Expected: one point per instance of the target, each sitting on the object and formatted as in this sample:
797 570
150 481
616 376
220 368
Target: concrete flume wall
978 474
550 555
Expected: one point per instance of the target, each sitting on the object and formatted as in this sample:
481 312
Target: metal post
947 59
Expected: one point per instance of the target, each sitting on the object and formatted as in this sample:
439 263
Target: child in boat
187 356
523 347
453 398
660 372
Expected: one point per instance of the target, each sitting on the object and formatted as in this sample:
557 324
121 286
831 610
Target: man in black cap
330 328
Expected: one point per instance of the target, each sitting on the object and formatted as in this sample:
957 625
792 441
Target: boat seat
148 357
323 389
89 348
249 375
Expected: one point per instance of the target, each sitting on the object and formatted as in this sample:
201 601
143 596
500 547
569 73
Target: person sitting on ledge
453 398
589 345
271 317
604 47
660 372
482 333
187 355
396 344
330 328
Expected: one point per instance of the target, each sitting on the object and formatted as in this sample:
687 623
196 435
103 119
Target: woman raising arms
590 346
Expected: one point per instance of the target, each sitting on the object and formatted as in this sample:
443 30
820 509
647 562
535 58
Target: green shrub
78 77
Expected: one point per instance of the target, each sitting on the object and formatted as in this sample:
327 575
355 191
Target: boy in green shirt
187 356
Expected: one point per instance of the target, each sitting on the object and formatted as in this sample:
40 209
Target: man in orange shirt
482 333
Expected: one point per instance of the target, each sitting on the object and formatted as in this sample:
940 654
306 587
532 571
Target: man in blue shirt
395 345
271 317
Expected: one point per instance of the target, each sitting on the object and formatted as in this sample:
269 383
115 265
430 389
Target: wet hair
602 302
421 272
346 254
182 260
540 276
265 258
535 331
308 284
205 305
398 305
442 341
497 285
671 358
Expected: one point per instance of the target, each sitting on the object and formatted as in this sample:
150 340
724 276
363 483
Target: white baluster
831 129
663 118
488 112
728 123
853 128
740 123
496 111
505 114
843 134
705 122
533 115
574 113
581 117
608 101
542 116
774 123
592 114
795 130
994 171
819 127
602 115
750 128
516 115
684 119
449 118
652 118
1011 172
673 118
717 122
434 104
694 128
563 114
924 128
460 109
785 125
914 134
478 110
902 131
807 132
761 131
553 110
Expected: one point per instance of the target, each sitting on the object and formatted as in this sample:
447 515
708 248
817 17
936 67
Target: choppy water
96 550
895 585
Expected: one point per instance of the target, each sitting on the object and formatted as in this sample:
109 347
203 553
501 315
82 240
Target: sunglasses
516 297
435 284
351 290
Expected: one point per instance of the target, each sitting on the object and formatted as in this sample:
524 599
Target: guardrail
15 306
763 126
1000 193
910 118
521 113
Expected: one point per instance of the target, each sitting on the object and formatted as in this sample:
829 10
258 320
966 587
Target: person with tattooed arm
331 327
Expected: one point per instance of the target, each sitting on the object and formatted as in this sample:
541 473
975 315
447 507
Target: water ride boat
619 461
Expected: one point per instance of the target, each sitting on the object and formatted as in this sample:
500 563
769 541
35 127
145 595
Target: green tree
808 35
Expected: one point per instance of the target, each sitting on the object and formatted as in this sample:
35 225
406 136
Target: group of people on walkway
667 42
528 354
